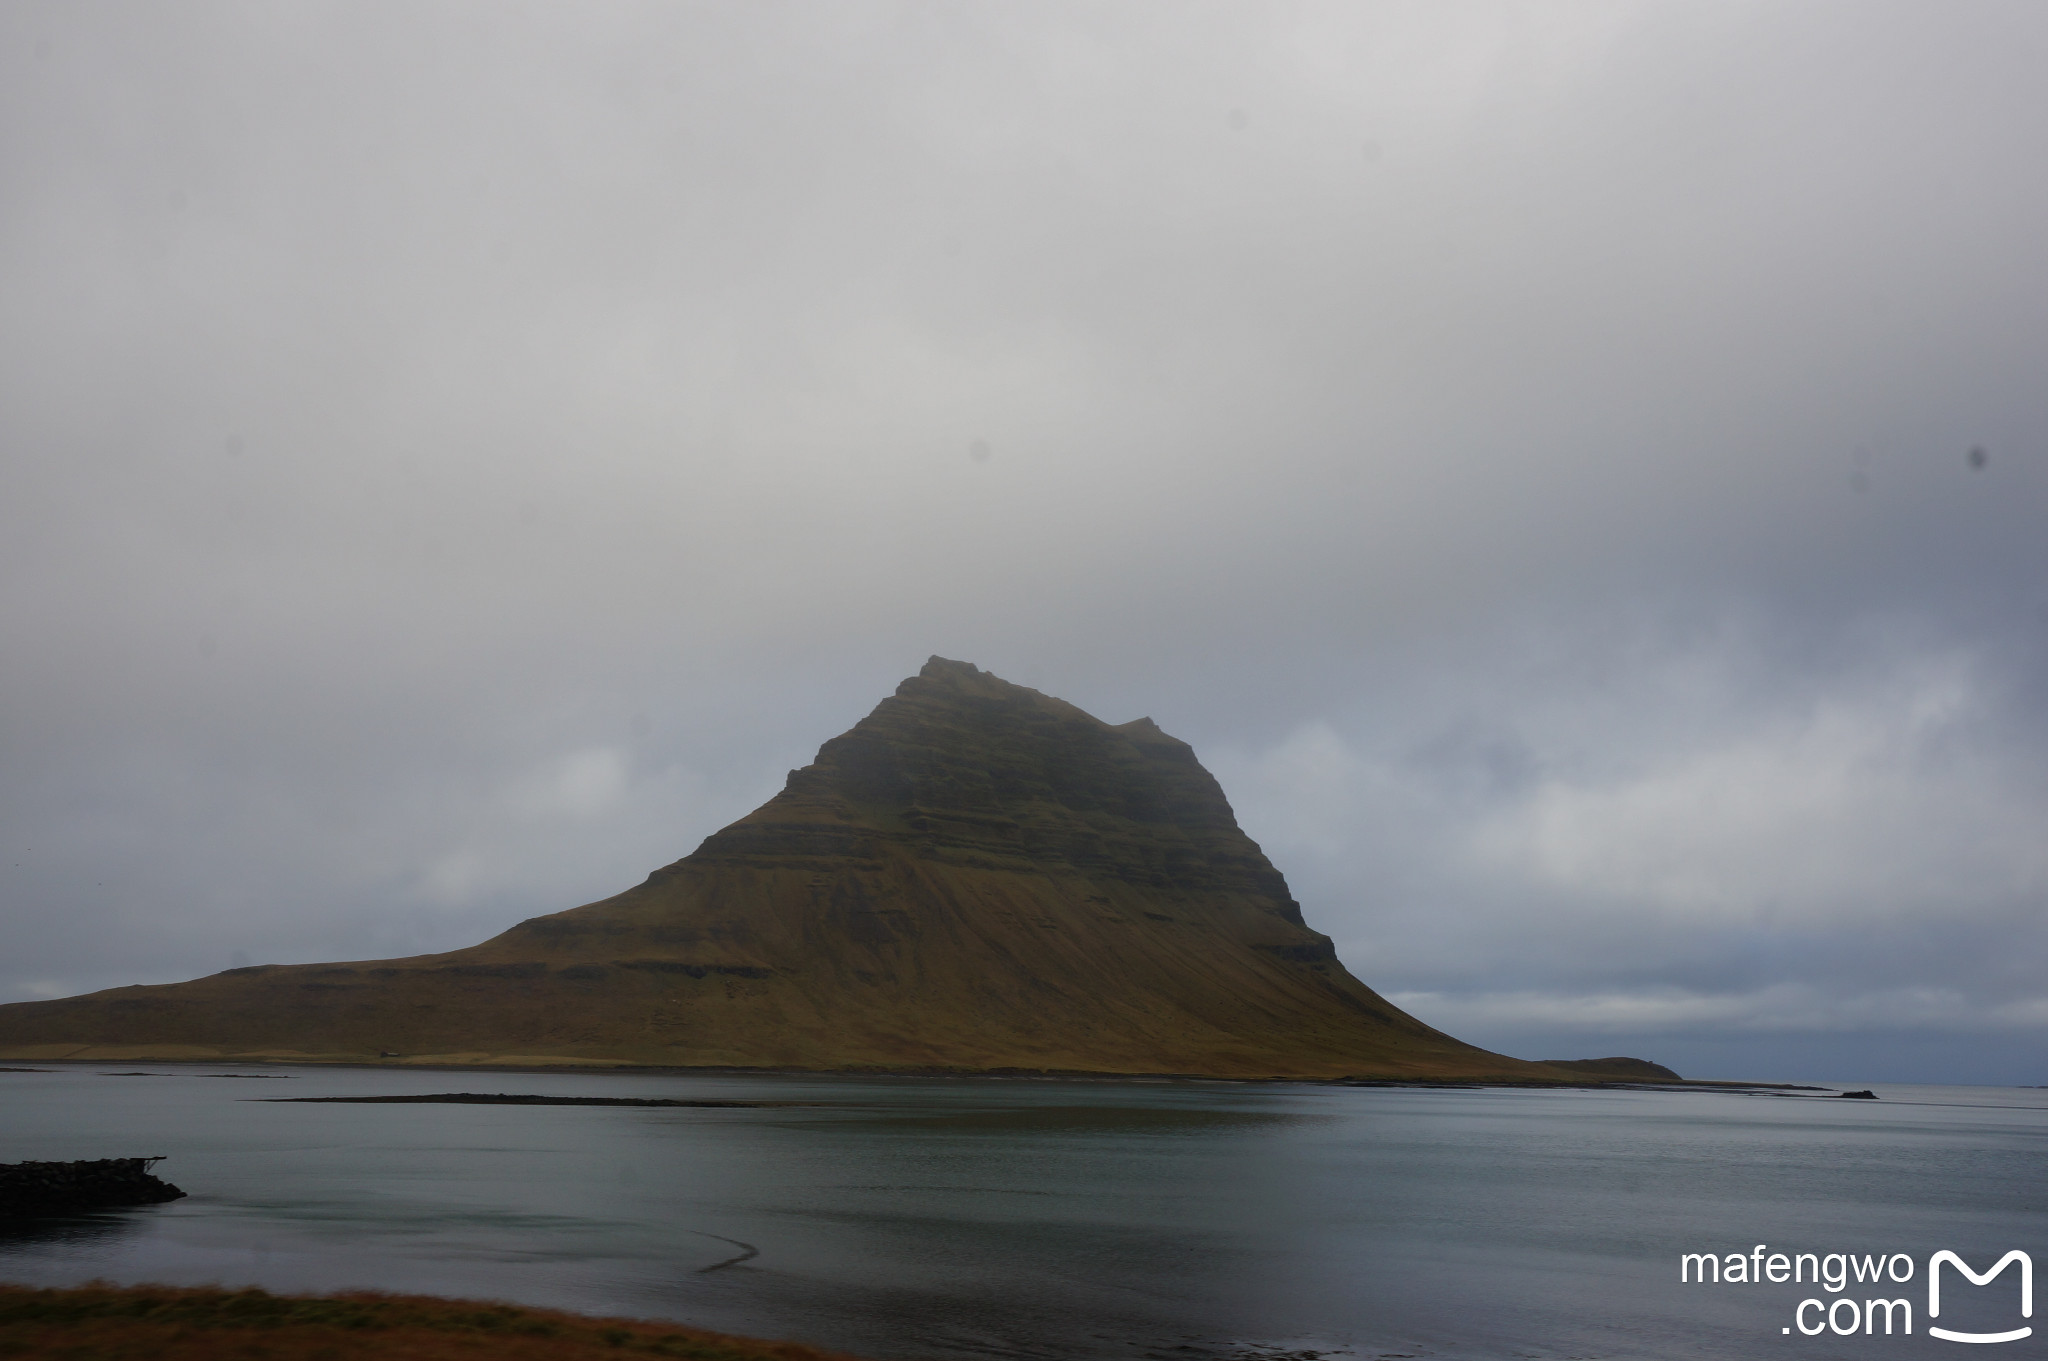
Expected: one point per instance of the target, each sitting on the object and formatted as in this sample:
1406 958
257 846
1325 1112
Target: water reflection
97 1229
961 1219
1116 1120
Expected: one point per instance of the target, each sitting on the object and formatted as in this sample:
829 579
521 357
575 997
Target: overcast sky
1578 474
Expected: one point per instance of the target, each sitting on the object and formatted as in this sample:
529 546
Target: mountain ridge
975 877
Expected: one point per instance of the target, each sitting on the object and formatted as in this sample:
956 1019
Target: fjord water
905 1217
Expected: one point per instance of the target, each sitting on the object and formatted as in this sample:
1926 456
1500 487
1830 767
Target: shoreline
610 1068
198 1323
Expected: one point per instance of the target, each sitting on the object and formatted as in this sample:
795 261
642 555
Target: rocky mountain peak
961 765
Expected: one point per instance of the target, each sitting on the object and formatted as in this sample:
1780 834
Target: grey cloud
1714 838
1525 404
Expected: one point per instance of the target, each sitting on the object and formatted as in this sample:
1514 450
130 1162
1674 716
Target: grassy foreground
145 1322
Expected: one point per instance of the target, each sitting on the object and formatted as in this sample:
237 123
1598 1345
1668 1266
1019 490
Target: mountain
977 876
1616 1069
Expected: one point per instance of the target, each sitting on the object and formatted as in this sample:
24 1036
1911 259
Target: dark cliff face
963 766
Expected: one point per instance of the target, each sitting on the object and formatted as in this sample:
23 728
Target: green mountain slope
977 876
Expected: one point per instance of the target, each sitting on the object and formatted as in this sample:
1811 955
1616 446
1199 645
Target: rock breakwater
39 1188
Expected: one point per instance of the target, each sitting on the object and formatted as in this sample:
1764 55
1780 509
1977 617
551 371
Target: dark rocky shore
65 1188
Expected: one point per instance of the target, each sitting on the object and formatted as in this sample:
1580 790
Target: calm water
993 1218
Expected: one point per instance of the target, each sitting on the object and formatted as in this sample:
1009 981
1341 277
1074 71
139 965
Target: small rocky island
35 1188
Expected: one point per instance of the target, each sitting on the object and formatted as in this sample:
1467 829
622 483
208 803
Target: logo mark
1934 1294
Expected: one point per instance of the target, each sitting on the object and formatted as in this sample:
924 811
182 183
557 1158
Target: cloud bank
1575 475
